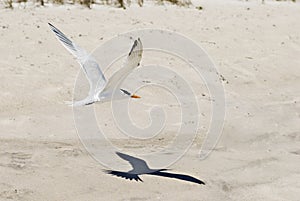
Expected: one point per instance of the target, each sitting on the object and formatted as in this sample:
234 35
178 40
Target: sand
256 48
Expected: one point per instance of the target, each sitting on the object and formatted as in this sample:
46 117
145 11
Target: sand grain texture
256 48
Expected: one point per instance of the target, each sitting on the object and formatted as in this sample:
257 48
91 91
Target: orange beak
135 96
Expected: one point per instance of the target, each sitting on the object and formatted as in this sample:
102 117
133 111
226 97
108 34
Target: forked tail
86 101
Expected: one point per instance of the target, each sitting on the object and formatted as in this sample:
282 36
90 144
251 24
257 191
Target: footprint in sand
15 160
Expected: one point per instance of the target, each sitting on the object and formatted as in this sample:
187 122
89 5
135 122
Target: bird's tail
86 101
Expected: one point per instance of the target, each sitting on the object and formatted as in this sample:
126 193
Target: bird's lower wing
178 176
124 175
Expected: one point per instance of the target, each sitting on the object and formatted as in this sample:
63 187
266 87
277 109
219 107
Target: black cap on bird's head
129 94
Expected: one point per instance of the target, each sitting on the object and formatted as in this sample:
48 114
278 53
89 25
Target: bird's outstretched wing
89 65
132 61
178 176
125 175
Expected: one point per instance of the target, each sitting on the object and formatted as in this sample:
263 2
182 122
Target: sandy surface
256 48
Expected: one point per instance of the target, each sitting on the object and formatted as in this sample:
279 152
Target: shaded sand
256 48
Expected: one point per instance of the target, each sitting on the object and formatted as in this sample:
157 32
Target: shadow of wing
136 163
124 175
178 176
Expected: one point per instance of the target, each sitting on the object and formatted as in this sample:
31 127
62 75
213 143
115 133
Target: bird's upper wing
125 175
132 61
89 65
178 176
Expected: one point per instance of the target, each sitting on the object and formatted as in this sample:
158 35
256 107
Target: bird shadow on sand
140 167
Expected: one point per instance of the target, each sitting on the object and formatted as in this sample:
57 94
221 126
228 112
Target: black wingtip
133 46
52 27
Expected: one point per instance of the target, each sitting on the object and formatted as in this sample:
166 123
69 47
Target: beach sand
256 48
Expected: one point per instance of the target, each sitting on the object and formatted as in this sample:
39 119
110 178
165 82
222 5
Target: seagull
102 90
140 167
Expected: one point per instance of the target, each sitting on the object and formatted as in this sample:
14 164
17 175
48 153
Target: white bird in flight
101 89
